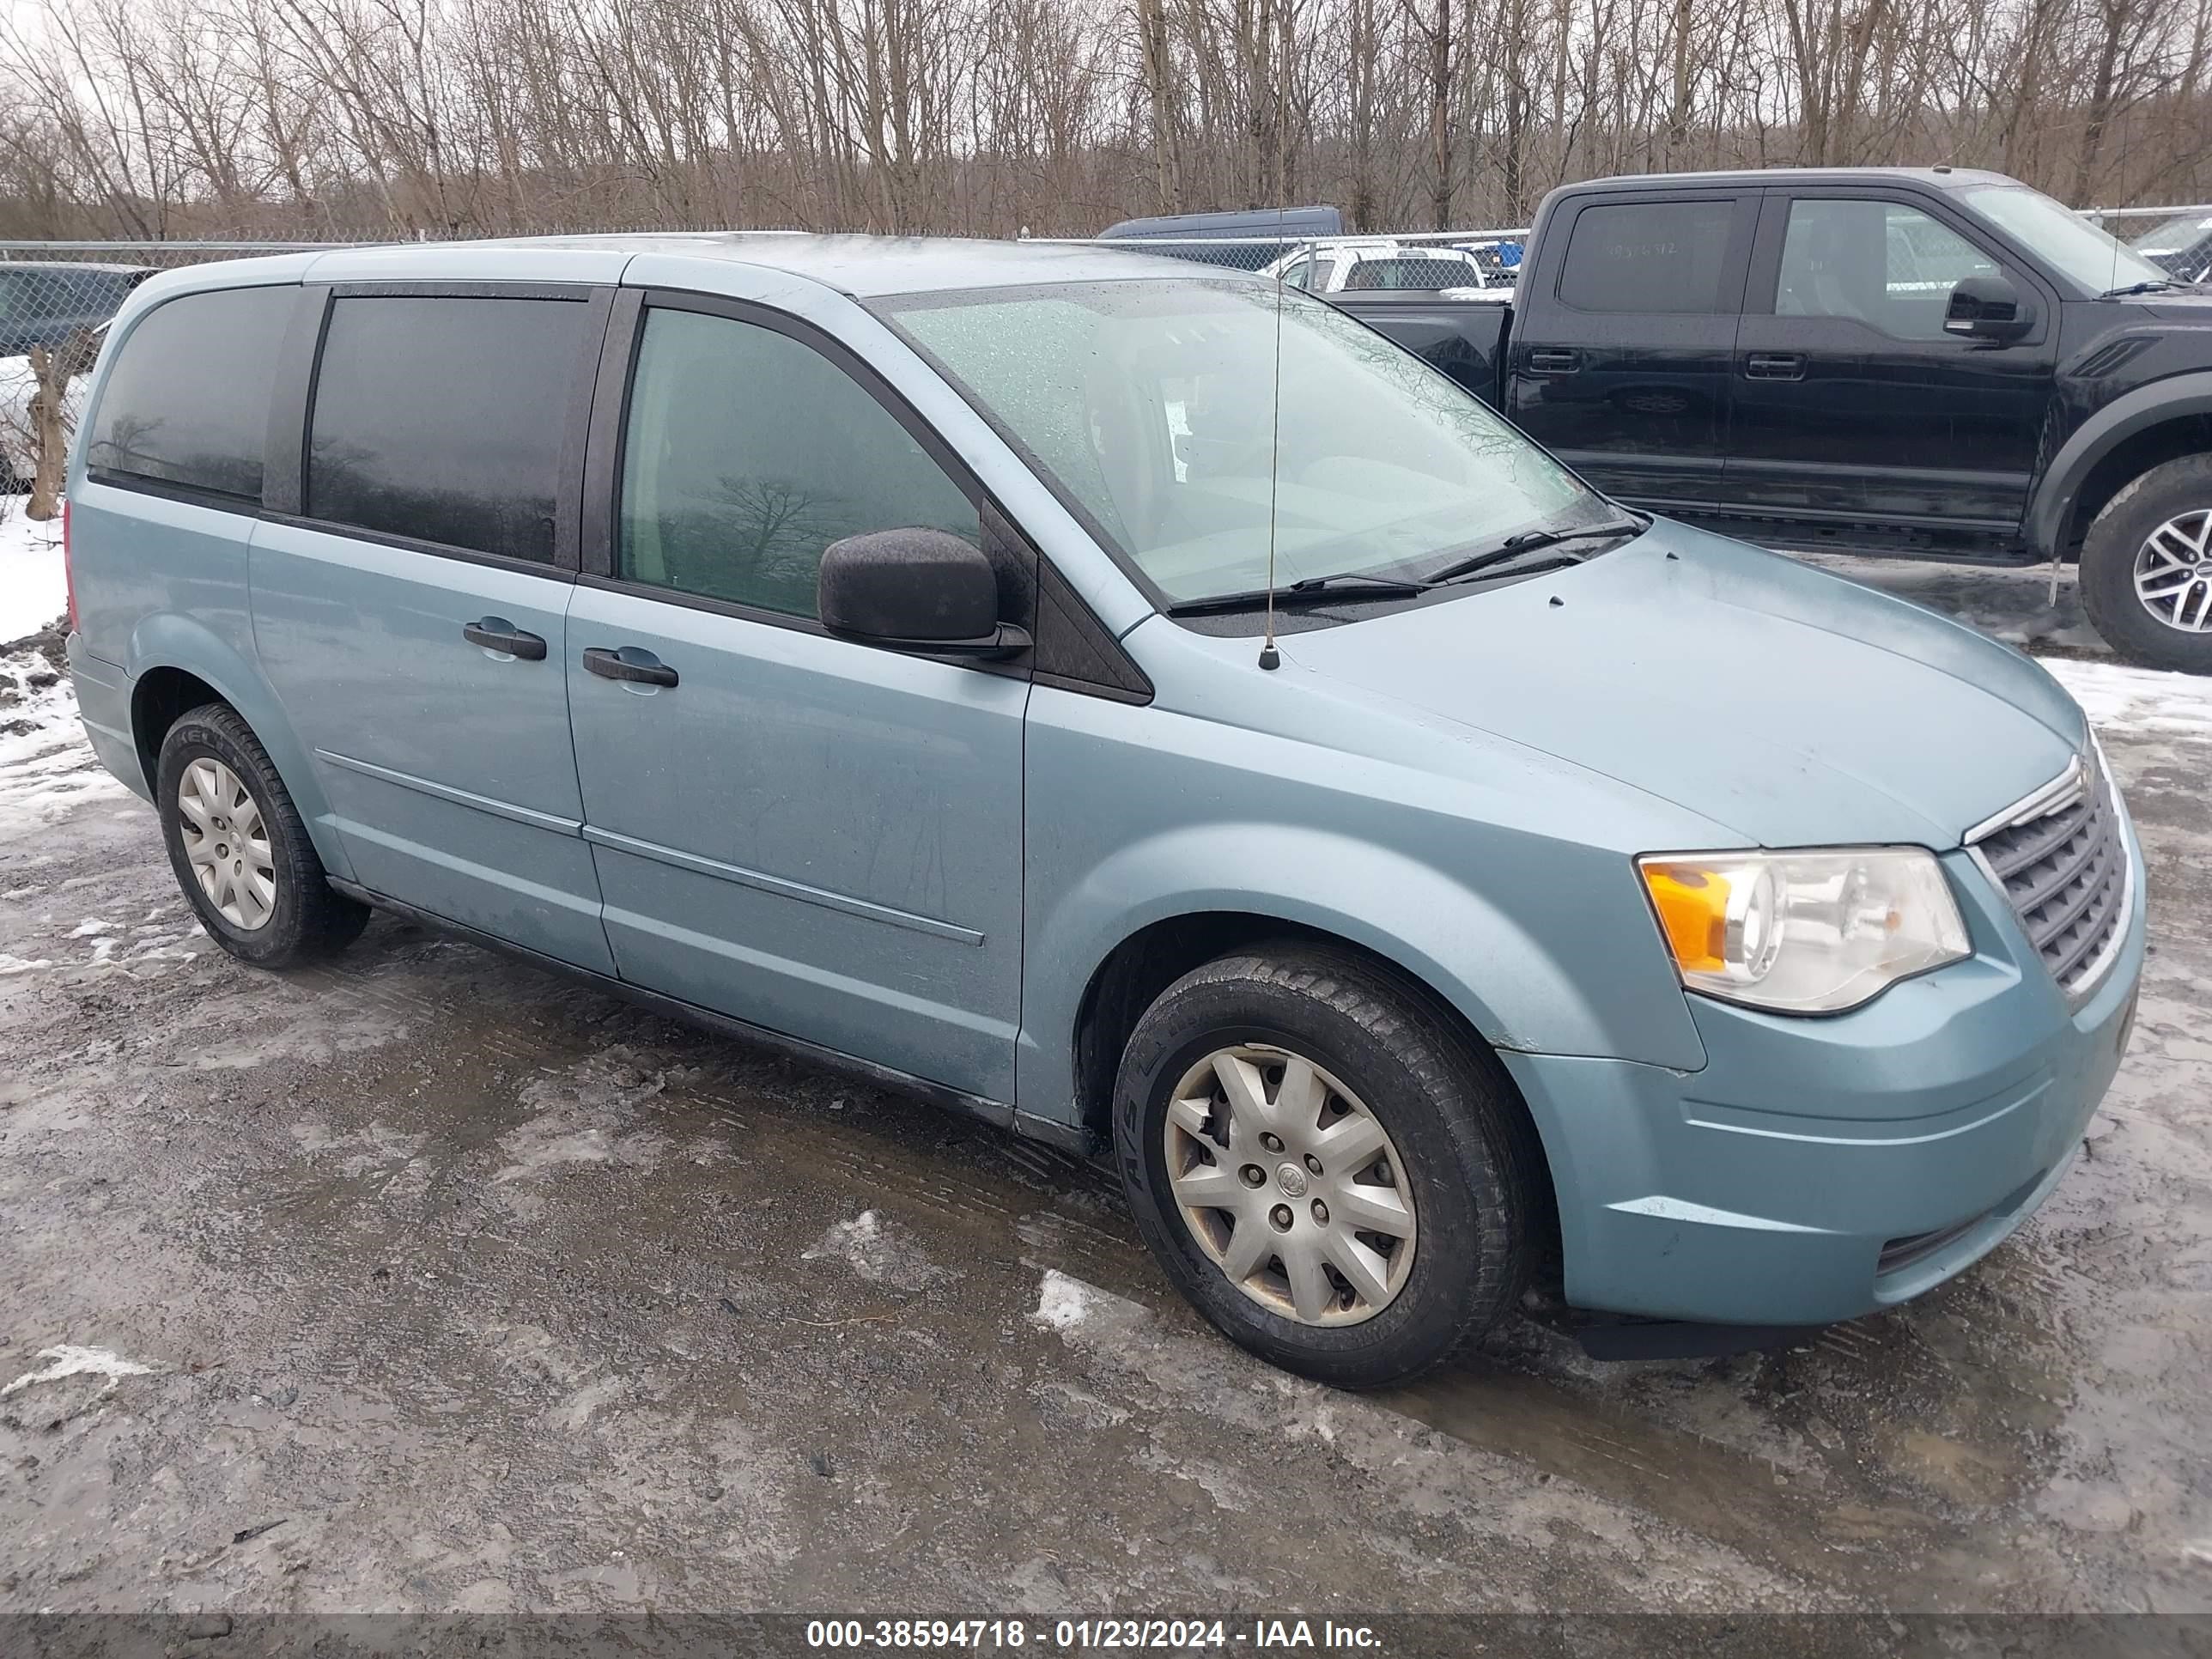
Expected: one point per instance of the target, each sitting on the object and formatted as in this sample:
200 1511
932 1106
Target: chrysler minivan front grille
2062 858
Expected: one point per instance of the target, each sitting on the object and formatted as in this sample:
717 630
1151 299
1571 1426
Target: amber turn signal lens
1692 906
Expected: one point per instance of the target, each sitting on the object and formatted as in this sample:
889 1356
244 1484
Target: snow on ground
2142 700
33 589
46 765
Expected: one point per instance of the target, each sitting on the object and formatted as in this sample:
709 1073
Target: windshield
2063 238
1152 406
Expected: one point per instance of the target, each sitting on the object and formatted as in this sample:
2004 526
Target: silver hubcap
2174 573
227 843
1290 1186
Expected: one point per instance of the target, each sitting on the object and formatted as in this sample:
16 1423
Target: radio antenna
1269 657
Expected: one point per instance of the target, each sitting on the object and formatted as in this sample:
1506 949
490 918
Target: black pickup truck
1928 363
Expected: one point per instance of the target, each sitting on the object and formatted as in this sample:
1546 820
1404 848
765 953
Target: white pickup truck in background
1332 268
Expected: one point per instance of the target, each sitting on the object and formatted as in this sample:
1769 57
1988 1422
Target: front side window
746 453
440 419
1883 264
1649 257
1152 405
187 401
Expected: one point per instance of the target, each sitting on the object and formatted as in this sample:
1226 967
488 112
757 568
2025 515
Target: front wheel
2147 568
1331 1171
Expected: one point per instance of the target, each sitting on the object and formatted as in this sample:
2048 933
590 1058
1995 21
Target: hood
1794 707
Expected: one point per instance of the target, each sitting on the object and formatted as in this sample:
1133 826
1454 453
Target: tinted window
187 401
1884 265
1649 257
441 419
747 454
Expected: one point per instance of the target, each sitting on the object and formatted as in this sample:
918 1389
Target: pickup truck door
1853 407
1623 335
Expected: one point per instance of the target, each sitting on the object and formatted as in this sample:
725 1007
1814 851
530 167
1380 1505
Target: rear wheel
1331 1171
241 852
2147 568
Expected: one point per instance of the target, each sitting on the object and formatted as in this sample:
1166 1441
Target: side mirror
924 591
1988 308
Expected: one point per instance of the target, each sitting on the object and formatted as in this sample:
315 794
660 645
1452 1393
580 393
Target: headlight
1804 932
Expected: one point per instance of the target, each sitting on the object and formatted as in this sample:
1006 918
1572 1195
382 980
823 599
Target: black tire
2108 565
309 917
1464 1139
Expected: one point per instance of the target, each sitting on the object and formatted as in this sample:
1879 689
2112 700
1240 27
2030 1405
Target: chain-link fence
56 298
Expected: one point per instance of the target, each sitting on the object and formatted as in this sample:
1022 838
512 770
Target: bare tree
163 119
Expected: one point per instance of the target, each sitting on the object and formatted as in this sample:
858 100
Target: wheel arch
177 663
2146 428
1137 970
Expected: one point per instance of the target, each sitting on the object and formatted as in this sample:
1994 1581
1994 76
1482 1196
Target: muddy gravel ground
424 1281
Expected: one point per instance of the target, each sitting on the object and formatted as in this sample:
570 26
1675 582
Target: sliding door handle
641 667
497 633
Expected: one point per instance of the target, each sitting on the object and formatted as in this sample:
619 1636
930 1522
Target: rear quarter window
187 401
1648 257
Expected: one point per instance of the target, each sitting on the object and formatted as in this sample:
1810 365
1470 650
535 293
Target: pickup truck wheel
240 853
1329 1170
2147 568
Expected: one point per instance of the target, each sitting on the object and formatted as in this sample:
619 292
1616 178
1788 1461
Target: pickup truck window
1883 264
2087 255
1645 257
1153 407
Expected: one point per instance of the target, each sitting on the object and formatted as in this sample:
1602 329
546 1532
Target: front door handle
497 633
613 666
1774 365
1554 360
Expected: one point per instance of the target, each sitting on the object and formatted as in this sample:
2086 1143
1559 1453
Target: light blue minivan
1139 706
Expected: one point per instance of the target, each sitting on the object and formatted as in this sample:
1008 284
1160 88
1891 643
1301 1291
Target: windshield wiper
1529 541
1311 590
2137 288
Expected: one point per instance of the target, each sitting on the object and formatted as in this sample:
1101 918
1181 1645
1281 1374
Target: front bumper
1818 1169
